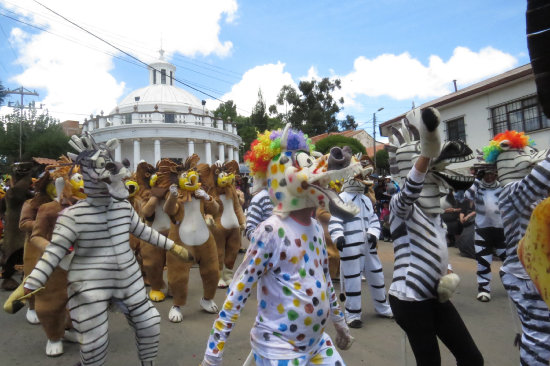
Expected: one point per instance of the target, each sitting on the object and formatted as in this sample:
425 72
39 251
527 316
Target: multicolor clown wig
516 140
268 145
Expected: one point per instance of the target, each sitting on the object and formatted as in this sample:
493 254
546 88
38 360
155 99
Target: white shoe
209 306
71 335
32 317
385 315
175 315
484 296
227 275
222 284
54 348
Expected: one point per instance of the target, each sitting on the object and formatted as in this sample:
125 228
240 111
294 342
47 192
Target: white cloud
403 77
77 78
270 78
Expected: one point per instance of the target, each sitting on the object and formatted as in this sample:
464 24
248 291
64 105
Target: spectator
465 242
385 221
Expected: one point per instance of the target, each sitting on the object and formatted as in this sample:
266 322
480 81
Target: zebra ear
412 129
72 156
96 155
405 132
397 134
284 137
76 143
112 144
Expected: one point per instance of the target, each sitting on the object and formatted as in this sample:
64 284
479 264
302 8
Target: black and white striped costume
360 256
489 233
420 246
103 268
259 210
516 204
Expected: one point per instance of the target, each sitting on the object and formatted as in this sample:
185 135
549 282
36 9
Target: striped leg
484 257
145 320
535 320
372 269
88 309
350 267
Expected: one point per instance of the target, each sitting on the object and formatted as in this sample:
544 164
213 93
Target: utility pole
22 92
374 136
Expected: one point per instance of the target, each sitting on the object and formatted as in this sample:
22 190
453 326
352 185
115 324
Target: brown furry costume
181 209
230 218
13 242
152 210
323 216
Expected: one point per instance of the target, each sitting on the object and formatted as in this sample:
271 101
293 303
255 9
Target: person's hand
340 242
344 339
182 253
372 239
209 360
427 121
174 190
200 193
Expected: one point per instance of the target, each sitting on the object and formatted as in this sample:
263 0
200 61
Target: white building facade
164 121
477 113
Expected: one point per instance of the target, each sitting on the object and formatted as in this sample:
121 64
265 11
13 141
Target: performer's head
514 155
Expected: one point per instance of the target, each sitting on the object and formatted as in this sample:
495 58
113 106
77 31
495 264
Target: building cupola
161 71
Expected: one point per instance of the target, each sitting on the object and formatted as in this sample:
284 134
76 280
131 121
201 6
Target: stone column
208 152
157 151
236 155
221 152
229 152
190 147
137 153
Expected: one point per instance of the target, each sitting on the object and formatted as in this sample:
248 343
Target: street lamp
374 135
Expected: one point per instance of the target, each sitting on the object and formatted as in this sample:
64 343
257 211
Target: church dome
166 97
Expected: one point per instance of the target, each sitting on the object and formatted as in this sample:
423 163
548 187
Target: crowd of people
96 235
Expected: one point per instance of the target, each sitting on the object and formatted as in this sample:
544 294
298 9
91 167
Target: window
455 130
154 76
169 118
171 77
163 76
128 119
520 115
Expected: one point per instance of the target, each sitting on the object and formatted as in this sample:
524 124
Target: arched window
163 76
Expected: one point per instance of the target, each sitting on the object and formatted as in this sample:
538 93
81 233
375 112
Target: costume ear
112 144
191 162
232 167
72 156
284 137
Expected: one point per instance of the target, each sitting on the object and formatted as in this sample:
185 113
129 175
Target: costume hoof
355 324
484 297
71 335
54 348
32 317
222 284
175 315
156 296
209 306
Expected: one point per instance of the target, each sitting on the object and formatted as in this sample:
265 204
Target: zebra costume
524 188
259 210
103 268
489 234
360 255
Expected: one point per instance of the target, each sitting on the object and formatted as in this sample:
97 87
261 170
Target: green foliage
348 123
324 145
2 93
42 136
312 109
382 161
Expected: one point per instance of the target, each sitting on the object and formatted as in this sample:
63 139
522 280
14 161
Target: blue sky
387 53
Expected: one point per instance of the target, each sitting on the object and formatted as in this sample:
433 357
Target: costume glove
174 190
182 253
447 286
344 339
340 242
200 193
427 123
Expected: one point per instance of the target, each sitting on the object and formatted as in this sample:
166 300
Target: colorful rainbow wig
517 140
268 145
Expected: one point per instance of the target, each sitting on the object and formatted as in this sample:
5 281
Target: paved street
380 343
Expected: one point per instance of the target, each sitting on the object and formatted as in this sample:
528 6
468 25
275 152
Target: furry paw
32 317
222 284
447 286
209 220
175 315
156 296
209 306
54 348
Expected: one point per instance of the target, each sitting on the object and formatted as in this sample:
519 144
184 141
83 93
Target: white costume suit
360 256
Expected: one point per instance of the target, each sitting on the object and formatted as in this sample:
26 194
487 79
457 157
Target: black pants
425 321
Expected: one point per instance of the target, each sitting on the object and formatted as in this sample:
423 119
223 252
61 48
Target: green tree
259 117
41 136
382 161
312 109
324 145
2 93
348 123
226 110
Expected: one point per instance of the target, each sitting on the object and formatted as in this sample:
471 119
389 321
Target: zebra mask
297 179
442 175
103 177
514 155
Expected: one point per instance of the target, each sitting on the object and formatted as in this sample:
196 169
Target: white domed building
164 121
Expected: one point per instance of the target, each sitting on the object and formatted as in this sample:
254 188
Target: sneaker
355 324
386 315
484 297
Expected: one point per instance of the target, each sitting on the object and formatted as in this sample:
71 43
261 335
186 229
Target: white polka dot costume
289 263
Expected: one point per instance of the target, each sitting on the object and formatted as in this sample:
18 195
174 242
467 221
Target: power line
124 52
